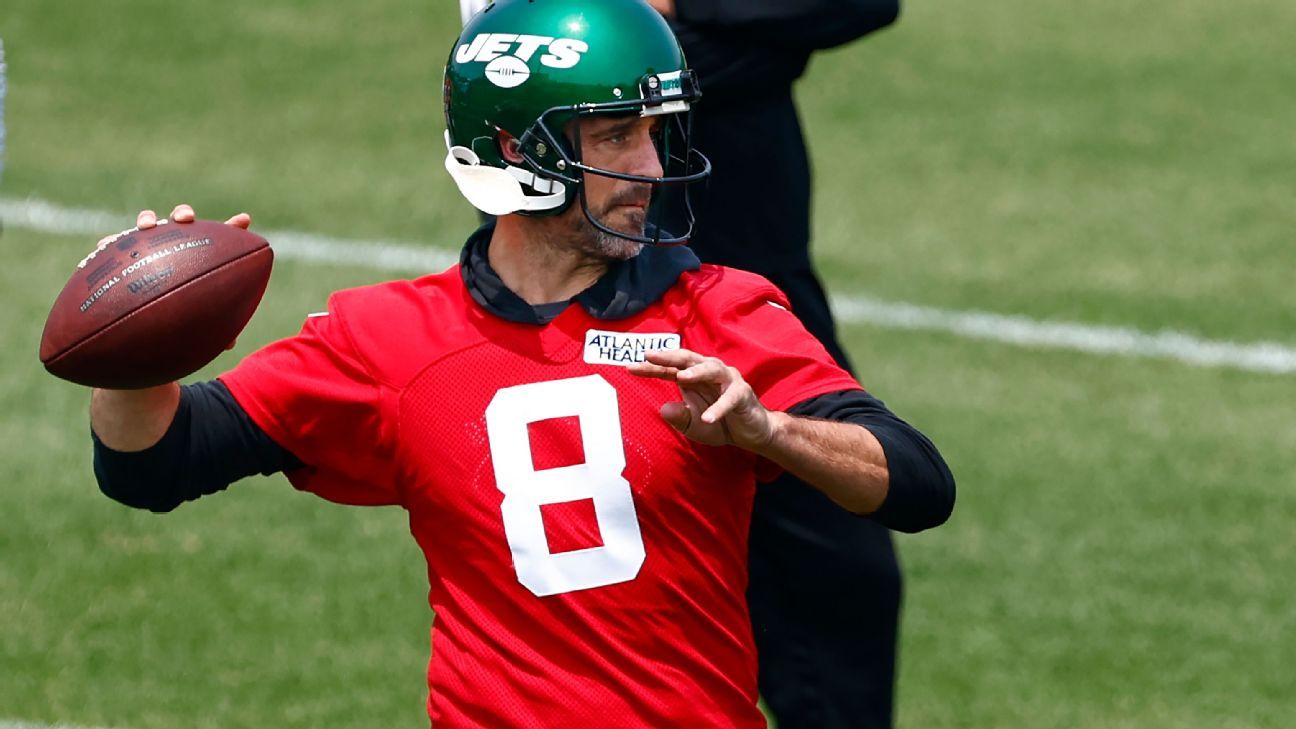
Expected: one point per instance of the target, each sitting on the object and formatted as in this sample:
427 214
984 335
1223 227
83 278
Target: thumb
677 415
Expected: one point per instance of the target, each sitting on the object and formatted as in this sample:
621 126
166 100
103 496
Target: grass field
1123 549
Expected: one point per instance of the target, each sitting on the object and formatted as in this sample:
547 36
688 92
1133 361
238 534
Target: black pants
825 585
824 600
824 596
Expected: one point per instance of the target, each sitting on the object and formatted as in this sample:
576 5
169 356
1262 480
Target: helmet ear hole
510 148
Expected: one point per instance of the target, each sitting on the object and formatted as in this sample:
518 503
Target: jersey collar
626 289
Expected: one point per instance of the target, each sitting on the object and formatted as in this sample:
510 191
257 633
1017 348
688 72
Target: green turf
1122 549
1129 163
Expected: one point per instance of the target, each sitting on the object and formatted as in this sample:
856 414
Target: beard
630 220
611 247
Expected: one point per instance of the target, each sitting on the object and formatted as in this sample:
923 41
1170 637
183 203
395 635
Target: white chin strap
499 192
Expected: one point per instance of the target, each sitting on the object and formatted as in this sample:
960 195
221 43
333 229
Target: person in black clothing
825 586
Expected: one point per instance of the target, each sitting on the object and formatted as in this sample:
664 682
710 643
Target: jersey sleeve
314 395
782 361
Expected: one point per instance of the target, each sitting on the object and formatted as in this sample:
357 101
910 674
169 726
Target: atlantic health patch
624 348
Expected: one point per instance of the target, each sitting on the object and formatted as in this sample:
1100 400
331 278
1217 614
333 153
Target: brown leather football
156 305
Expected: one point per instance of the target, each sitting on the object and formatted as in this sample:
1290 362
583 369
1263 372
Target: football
155 305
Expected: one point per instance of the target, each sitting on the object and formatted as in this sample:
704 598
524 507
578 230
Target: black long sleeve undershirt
212 442
921 489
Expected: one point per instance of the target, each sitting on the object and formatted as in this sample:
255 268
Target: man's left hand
718 406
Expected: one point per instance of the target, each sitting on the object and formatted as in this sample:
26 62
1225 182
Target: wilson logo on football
507 55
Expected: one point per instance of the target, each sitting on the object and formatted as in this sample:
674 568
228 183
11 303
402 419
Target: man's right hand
146 219
133 420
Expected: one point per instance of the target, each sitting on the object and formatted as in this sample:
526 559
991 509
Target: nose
646 160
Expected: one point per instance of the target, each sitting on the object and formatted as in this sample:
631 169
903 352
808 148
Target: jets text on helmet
486 47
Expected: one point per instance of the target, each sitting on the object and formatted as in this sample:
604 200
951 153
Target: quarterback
575 417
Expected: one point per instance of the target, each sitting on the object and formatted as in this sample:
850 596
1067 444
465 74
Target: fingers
718 387
142 222
709 370
677 358
658 372
729 399
688 369
677 415
182 214
682 365
732 390
146 219
107 239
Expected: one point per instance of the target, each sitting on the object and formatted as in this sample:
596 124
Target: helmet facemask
552 149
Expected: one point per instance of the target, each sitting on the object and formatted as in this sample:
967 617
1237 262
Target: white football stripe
1265 357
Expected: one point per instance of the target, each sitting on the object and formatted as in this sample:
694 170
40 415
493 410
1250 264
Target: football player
575 416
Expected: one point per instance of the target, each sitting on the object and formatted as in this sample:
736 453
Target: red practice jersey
587 563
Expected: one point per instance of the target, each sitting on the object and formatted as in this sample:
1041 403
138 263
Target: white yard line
33 725
1266 357
44 217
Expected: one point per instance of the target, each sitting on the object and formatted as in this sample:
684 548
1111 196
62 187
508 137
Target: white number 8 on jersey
599 478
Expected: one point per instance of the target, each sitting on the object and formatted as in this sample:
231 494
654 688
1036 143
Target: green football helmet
526 68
